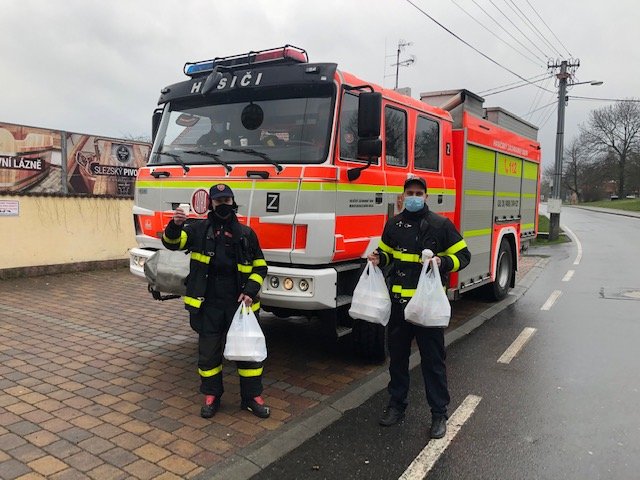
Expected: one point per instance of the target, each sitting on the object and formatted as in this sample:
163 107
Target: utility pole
555 203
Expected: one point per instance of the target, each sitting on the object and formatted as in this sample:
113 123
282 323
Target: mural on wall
103 166
30 159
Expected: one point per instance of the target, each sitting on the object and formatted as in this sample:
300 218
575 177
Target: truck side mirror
369 143
369 148
369 108
155 122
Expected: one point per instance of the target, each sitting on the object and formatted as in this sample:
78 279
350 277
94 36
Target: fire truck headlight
287 283
274 282
303 285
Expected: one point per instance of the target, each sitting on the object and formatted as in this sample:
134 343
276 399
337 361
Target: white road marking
568 275
517 345
551 300
578 244
429 455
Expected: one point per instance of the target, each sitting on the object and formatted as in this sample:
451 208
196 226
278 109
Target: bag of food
245 340
429 306
371 300
167 271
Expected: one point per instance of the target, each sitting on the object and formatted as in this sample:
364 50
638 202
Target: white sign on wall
9 208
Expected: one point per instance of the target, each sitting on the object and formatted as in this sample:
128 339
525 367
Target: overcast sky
98 66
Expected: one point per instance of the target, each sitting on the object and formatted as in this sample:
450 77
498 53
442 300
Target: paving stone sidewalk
99 381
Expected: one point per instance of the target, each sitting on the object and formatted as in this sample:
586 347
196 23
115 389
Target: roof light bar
286 54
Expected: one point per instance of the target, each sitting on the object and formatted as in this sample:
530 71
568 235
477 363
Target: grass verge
543 232
630 204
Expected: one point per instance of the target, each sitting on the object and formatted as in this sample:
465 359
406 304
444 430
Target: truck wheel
499 288
369 340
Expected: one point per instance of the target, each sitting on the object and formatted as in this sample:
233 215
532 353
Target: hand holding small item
428 255
179 216
374 257
246 299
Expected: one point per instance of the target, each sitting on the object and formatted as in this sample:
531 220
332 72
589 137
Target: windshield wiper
176 158
251 151
215 156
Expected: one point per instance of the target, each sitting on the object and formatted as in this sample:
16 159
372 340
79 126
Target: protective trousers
212 324
432 354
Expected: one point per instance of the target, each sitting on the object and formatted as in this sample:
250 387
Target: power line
493 33
540 108
507 31
539 96
535 98
542 112
634 100
523 16
548 27
517 86
517 28
514 83
539 101
469 45
553 110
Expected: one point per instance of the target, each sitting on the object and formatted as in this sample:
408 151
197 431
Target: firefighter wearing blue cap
227 267
404 238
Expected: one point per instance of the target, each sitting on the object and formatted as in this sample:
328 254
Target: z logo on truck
273 202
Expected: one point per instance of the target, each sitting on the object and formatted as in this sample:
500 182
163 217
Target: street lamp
590 82
555 202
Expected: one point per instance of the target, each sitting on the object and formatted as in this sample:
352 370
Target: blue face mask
414 204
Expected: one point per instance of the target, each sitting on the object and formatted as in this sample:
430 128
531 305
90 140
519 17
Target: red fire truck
317 159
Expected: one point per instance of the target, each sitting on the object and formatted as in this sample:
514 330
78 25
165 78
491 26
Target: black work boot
210 407
438 426
256 406
390 416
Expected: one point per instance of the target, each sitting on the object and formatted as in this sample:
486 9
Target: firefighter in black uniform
227 267
404 238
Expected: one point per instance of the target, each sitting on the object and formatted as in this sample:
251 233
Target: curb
242 466
621 213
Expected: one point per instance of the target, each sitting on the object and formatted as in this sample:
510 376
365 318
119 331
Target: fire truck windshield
283 129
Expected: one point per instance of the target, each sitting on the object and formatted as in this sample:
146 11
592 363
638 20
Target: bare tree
546 181
634 174
574 162
594 181
136 137
614 130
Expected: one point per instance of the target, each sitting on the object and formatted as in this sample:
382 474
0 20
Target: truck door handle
160 173
258 173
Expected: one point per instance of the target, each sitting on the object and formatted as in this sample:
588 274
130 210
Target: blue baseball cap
220 190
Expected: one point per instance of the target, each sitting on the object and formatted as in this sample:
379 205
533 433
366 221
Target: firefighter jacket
403 239
196 237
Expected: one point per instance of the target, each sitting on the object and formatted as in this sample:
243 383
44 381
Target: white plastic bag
245 340
429 306
371 300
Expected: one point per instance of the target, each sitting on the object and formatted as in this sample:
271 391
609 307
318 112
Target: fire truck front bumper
137 259
284 287
299 288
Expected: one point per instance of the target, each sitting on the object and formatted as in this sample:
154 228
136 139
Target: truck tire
369 341
499 288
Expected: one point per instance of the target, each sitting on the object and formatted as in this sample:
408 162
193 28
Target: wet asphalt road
566 407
